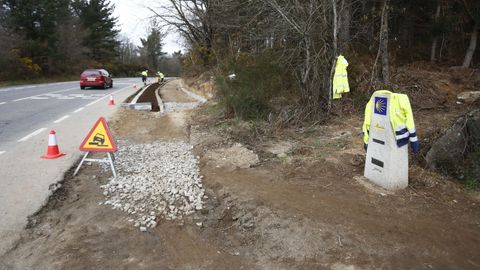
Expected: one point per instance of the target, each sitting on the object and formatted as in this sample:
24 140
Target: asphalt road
27 114
29 108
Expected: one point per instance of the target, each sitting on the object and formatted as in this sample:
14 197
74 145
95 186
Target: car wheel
82 87
111 84
104 86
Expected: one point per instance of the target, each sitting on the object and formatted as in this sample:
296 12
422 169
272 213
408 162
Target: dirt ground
304 205
149 96
172 93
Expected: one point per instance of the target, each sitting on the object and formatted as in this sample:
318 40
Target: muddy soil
150 96
303 208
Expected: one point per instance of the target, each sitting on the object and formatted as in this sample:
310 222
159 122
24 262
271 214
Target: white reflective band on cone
52 140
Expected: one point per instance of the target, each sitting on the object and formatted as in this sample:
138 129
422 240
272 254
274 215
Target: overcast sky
133 21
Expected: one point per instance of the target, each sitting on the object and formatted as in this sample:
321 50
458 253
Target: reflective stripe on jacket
340 78
401 119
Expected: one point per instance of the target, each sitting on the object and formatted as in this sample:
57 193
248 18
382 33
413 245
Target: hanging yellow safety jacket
340 79
401 119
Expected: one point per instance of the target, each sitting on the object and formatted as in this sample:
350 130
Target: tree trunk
384 43
335 48
435 38
434 48
471 48
335 28
346 17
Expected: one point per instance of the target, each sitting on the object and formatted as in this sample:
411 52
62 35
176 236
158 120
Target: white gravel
175 106
159 180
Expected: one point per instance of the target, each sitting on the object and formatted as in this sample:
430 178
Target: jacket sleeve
366 121
409 123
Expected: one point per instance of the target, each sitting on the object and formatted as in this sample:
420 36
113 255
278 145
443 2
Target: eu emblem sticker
380 105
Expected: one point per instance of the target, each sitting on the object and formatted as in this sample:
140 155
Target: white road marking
39 96
1 103
2 152
36 132
61 119
79 109
107 95
93 102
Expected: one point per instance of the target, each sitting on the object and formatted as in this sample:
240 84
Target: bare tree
192 19
436 33
346 7
307 25
472 9
127 52
382 52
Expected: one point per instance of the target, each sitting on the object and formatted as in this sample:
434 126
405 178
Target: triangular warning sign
99 139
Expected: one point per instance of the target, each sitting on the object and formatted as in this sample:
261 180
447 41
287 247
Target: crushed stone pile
158 180
175 106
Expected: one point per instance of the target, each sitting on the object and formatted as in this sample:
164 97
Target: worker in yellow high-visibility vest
144 76
160 77
340 79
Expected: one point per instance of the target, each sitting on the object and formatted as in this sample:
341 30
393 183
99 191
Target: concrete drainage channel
146 98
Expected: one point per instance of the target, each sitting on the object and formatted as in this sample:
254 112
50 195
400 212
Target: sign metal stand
110 158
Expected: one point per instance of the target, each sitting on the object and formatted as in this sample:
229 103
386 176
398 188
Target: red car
96 78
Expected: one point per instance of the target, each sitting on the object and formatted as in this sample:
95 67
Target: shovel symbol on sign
98 140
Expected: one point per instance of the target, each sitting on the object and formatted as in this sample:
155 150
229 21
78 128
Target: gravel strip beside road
175 106
159 180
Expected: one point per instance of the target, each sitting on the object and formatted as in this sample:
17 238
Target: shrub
258 78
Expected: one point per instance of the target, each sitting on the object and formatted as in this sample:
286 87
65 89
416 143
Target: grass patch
471 183
472 171
223 126
215 110
40 80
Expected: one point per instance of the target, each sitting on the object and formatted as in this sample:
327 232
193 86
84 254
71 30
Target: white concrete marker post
386 164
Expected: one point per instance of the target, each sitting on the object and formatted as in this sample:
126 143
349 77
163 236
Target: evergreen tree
151 49
36 21
101 35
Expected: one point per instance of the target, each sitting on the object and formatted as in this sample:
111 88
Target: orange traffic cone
52 151
111 101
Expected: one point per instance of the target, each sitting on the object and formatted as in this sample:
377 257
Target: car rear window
91 72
